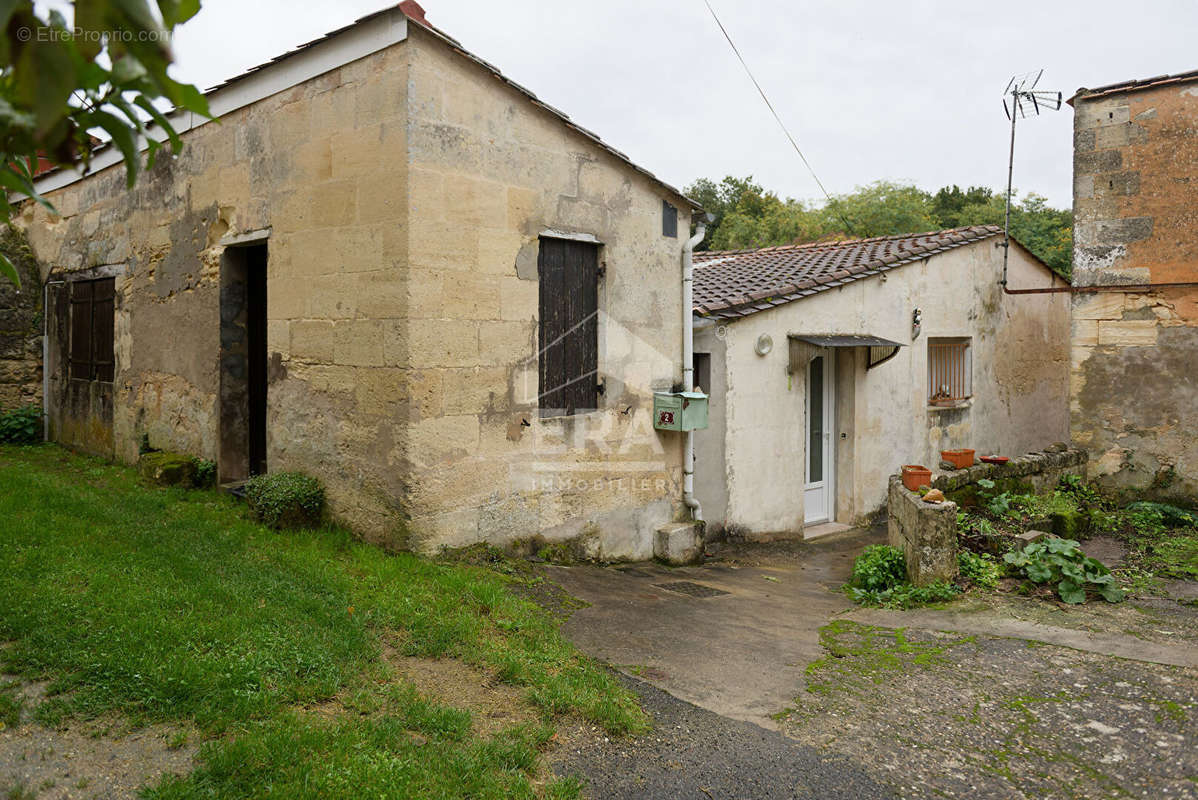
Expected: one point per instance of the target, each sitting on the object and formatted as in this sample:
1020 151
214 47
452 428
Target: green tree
60 84
747 215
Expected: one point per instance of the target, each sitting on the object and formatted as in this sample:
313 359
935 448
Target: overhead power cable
832 203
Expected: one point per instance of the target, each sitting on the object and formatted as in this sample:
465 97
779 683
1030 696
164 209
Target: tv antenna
1020 96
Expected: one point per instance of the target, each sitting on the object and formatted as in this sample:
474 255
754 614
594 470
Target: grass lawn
170 605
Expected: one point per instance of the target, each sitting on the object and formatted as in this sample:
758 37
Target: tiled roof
1133 85
736 283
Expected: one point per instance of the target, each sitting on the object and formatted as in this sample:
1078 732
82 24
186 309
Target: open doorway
243 362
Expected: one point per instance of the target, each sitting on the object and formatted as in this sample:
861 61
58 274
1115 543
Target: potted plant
961 459
916 475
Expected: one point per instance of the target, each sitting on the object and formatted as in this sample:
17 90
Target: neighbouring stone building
1135 349
20 328
392 268
831 365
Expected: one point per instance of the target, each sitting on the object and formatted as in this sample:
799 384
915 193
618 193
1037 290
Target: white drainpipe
688 366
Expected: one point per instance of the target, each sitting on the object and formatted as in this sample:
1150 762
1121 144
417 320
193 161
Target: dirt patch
493 706
939 714
97 758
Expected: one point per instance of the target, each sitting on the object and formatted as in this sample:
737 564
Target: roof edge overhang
843 340
366 36
1132 86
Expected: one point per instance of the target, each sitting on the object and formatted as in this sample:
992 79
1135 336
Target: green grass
170 605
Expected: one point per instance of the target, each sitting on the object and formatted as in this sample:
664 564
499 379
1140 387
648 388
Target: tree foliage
748 216
63 84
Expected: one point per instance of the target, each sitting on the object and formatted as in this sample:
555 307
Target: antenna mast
1021 91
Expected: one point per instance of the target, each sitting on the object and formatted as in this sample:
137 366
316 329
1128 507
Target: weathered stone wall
403 195
489 173
322 166
925 532
20 327
1134 397
1031 472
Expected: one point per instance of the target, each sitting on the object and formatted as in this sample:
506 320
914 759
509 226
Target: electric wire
831 202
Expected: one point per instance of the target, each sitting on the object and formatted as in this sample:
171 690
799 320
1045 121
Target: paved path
739 654
1026 699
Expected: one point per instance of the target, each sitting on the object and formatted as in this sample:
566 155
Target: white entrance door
821 451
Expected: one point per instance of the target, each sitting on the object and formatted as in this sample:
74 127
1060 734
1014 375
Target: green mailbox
679 411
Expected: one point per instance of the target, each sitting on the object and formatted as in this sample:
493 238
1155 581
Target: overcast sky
871 90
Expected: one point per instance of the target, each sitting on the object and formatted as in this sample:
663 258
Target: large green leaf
9 271
122 137
1112 593
1038 572
1071 592
177 11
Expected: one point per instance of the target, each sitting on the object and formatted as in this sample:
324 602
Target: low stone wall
925 532
1030 473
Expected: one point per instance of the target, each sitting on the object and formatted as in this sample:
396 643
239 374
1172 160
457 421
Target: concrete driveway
732 636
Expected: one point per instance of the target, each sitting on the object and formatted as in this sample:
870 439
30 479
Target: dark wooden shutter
569 326
92 335
81 330
103 357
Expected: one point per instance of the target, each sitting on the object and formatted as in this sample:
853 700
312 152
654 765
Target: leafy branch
61 85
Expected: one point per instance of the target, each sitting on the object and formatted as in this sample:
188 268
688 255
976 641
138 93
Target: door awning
843 340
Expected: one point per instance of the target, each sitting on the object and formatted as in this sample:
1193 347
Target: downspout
46 354
688 365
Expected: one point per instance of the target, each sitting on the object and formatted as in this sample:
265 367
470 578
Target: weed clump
286 500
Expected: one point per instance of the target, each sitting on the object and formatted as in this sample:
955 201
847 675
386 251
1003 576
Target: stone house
1134 394
393 268
830 365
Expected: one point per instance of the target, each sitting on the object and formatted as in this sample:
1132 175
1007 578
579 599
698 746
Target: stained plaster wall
1134 397
1020 358
403 195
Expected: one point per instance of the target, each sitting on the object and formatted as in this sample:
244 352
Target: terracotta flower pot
961 459
916 475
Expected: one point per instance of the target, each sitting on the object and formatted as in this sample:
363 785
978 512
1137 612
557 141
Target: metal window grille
949 367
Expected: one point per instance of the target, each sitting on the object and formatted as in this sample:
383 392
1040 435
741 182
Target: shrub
21 425
980 569
286 499
1062 563
880 579
879 566
205 476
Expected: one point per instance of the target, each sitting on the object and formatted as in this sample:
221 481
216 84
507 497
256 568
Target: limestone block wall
489 174
1134 401
319 167
401 198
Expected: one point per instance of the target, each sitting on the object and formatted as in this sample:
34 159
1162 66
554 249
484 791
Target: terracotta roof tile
734 283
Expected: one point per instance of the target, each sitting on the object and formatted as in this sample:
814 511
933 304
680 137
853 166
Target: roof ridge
846 242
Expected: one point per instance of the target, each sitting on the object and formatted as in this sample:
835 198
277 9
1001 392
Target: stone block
678 543
167 469
1128 333
1027 537
312 340
358 343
